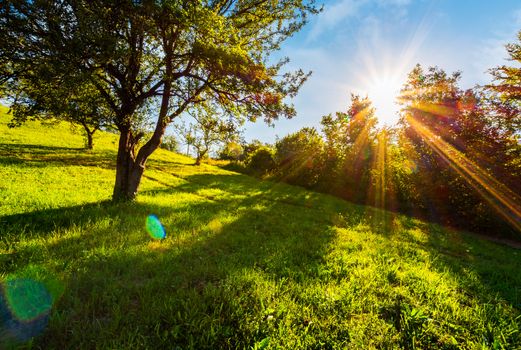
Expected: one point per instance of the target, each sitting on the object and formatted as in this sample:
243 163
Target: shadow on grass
172 292
212 282
483 268
44 156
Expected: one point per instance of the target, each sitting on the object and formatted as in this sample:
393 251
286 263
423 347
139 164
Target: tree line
135 67
453 158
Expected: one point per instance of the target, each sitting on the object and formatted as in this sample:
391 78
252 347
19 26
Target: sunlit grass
245 264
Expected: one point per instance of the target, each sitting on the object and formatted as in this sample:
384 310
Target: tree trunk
124 165
90 143
200 156
90 135
130 168
128 171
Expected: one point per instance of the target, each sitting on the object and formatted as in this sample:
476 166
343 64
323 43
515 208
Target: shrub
261 161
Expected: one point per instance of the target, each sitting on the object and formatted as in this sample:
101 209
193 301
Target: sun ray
499 196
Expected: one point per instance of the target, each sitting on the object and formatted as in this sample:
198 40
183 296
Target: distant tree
251 147
299 157
507 89
350 137
162 53
170 143
208 128
74 101
261 161
231 150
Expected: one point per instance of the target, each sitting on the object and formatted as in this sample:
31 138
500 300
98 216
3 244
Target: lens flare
25 305
154 227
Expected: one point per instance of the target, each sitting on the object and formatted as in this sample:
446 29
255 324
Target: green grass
246 264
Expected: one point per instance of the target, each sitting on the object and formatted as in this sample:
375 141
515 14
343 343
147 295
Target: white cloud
337 13
333 15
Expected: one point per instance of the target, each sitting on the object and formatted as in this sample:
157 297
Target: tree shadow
204 286
44 156
486 269
172 291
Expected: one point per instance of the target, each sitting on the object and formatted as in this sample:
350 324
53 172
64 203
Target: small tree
251 147
299 157
75 101
170 143
208 129
261 161
231 150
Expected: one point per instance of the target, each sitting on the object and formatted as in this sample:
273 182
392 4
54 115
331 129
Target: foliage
349 152
170 143
508 89
231 150
243 261
251 147
459 153
261 161
208 129
299 157
170 55
73 100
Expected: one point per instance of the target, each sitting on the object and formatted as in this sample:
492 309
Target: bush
299 158
261 161
231 151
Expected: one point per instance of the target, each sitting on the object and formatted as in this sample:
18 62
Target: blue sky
353 43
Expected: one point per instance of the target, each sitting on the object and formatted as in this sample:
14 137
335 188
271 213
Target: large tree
172 54
466 167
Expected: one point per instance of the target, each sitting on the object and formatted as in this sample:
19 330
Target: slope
246 264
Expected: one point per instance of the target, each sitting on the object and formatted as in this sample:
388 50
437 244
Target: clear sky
354 44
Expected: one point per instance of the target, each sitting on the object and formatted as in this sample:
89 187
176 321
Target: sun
383 92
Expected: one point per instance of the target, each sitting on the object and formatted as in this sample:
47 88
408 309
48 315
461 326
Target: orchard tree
209 128
167 53
74 101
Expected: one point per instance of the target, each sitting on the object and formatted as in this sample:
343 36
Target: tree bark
124 165
90 143
90 135
200 156
129 166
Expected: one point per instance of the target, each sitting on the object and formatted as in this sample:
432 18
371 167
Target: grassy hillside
246 264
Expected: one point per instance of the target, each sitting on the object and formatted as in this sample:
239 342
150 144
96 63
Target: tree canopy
169 54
